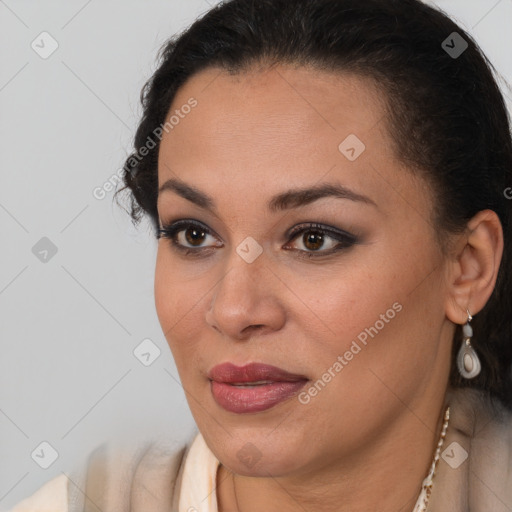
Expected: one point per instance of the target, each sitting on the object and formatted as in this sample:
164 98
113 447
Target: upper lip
252 372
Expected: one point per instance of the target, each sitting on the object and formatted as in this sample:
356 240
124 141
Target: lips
251 373
255 387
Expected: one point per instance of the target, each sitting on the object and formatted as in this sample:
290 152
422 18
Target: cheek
372 308
344 299
166 291
387 313
178 302
350 309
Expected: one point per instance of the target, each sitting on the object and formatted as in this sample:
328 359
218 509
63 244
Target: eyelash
346 240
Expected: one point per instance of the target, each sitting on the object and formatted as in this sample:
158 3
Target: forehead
283 96
279 112
263 130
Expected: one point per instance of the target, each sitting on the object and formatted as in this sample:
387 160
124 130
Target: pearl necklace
426 490
428 482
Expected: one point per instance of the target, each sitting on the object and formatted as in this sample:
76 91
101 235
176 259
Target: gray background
69 324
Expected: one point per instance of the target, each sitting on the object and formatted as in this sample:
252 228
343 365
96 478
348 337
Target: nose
248 298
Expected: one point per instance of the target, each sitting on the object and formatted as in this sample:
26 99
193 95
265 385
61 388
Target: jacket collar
474 472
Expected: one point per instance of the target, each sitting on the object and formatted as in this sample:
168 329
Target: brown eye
316 240
313 240
188 235
194 236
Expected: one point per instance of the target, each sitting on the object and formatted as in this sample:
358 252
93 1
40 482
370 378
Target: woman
329 182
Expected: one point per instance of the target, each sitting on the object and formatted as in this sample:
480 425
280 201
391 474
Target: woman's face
354 306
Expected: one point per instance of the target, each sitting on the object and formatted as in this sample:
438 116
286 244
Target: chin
258 452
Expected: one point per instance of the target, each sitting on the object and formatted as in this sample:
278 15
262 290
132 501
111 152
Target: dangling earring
467 359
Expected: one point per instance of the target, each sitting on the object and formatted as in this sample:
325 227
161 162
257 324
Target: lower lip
256 399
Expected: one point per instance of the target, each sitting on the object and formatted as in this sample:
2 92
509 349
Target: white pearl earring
467 359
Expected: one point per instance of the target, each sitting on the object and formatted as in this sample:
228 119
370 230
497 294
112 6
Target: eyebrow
292 198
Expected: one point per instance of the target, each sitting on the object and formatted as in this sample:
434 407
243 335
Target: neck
386 476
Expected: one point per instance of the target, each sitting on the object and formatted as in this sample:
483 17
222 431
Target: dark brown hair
446 115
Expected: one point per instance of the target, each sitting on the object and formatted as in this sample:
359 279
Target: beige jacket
473 475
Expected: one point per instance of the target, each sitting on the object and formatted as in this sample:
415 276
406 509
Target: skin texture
376 423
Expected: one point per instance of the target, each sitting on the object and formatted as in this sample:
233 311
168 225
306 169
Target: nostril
253 327
256 326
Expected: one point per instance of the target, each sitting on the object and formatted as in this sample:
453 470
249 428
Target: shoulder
487 425
115 476
483 419
51 497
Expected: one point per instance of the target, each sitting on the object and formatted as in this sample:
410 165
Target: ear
473 269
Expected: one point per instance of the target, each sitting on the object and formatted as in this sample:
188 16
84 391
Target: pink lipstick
254 387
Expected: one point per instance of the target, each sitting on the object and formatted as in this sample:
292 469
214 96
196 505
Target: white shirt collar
198 487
